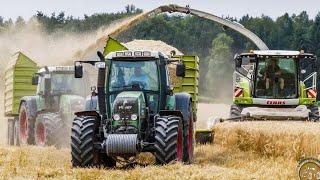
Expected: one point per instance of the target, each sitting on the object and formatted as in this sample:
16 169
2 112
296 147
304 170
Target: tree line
212 42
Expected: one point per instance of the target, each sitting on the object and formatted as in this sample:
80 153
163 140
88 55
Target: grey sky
233 8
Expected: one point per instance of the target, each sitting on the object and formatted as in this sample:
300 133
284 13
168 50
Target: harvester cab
275 85
137 112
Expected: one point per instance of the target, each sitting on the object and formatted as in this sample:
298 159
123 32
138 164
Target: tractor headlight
116 117
134 117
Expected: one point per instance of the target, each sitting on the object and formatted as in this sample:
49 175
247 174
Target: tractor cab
275 78
55 83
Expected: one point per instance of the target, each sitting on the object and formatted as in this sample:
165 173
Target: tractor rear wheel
188 137
235 112
168 139
48 129
314 116
26 126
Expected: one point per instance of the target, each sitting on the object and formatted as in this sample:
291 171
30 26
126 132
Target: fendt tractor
135 110
275 85
43 117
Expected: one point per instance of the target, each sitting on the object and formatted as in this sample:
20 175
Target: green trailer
18 84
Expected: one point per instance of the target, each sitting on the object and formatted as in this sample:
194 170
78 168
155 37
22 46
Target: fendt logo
273 102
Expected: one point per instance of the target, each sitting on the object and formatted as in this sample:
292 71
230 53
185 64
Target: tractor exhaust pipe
101 88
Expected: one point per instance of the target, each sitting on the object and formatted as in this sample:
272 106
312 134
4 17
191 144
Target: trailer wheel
314 115
16 132
82 144
26 126
48 130
235 111
188 137
168 139
10 130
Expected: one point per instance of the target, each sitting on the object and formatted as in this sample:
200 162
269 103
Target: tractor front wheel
168 139
83 136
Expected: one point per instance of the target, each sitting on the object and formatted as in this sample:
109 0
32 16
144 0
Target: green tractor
44 118
135 110
275 85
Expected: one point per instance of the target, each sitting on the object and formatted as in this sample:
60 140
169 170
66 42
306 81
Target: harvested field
212 161
246 150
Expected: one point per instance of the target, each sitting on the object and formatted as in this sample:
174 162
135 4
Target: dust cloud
59 48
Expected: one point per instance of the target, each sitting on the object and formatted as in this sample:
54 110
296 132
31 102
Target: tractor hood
128 108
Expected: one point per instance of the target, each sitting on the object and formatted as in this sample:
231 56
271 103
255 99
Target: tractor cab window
276 78
126 74
66 84
132 75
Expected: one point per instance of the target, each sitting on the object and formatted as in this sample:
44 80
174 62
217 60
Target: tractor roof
143 55
67 69
277 53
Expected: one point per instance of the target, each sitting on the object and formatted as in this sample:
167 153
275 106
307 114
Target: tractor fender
91 103
31 102
171 112
182 104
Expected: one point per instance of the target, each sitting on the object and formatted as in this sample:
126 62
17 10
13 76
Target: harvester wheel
168 139
48 130
26 126
314 113
188 137
235 111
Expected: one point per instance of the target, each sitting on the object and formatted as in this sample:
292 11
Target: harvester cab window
276 78
308 72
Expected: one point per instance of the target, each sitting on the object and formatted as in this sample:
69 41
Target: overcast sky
233 8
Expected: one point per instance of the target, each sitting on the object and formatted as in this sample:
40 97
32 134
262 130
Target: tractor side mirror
181 70
35 79
78 71
237 61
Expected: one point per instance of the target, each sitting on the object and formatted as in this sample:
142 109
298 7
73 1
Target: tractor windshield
125 74
276 78
135 75
65 83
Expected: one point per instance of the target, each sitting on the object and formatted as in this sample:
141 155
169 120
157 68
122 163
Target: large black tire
82 144
26 126
168 139
49 130
188 137
314 115
235 112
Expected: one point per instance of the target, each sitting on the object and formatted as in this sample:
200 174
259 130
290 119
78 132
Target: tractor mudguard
31 103
91 103
87 113
182 104
171 112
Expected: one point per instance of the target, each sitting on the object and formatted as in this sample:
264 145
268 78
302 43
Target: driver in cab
273 72
140 77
